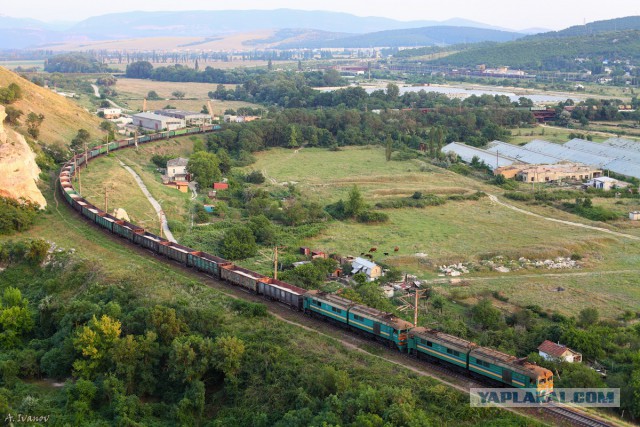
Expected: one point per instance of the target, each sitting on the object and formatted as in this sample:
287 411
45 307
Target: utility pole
415 309
275 263
106 200
86 156
107 142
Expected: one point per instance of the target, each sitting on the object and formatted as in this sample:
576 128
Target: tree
588 316
95 341
238 243
388 150
33 124
229 352
152 95
13 115
437 302
355 204
80 140
16 319
139 70
293 136
205 168
393 91
178 94
486 315
190 358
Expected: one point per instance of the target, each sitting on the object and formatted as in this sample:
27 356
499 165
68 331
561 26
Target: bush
254 177
16 215
521 197
371 217
176 226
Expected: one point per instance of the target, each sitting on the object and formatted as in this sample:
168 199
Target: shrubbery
16 215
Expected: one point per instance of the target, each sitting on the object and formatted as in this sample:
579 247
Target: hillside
557 53
18 169
424 36
606 26
63 117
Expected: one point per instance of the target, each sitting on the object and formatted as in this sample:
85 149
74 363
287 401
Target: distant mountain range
425 36
21 33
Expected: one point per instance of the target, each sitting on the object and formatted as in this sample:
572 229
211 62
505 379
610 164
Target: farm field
458 231
552 134
131 93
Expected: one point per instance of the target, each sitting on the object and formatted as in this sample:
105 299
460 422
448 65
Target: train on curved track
423 343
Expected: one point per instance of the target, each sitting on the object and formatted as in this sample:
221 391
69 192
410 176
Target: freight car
384 327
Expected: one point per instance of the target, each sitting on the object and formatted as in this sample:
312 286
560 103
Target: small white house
606 183
177 169
368 268
552 351
634 216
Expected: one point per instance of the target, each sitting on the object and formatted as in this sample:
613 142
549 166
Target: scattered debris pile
503 265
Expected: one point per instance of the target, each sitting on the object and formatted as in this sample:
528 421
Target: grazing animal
396 249
361 253
386 254
373 249
369 256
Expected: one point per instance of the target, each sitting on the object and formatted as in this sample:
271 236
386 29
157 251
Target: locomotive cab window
336 310
541 381
454 352
360 318
316 302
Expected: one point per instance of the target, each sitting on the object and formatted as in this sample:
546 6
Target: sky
512 14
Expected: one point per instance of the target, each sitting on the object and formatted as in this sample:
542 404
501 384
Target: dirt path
495 199
161 216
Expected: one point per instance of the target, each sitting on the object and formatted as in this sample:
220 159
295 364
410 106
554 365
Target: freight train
423 343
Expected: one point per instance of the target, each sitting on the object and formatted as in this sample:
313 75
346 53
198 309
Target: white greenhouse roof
565 153
604 150
467 153
623 143
624 167
521 154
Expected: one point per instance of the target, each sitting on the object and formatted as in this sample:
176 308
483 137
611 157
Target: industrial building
558 172
191 118
157 122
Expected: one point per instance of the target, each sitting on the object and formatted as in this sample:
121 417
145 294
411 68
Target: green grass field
457 231
461 230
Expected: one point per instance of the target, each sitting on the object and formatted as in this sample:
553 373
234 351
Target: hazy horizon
500 13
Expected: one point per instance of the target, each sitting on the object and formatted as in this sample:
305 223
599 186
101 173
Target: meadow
461 231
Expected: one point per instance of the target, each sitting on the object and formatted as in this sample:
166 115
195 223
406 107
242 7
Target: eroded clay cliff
18 169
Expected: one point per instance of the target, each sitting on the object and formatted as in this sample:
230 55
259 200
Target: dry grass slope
63 117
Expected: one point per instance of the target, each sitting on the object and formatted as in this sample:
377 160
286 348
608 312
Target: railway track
455 379
459 381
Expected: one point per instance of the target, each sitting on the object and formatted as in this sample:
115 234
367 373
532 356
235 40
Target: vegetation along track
351 340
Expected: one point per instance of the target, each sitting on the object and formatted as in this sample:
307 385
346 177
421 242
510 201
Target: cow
373 249
386 254
396 249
